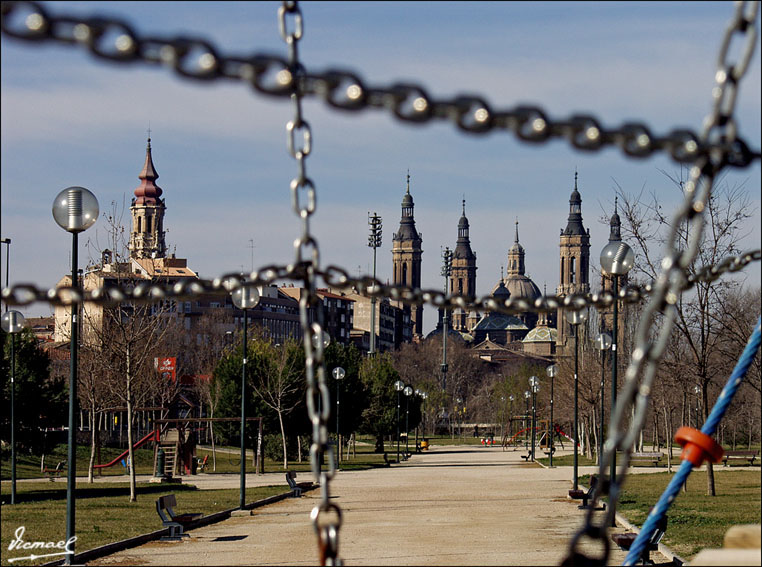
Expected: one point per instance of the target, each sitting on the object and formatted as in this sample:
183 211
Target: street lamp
374 241
603 342
399 385
527 395
7 241
75 209
13 323
551 371
510 417
338 375
424 397
534 384
617 259
245 298
575 318
446 272
697 391
408 391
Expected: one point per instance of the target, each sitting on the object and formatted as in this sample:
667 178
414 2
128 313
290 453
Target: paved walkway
450 506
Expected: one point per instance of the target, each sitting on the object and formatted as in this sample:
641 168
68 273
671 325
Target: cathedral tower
406 257
463 277
147 209
575 258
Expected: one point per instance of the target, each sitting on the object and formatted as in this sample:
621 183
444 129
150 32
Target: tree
277 377
380 417
40 400
647 228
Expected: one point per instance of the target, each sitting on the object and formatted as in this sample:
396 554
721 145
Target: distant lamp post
617 258
399 385
446 272
575 318
245 297
697 391
510 416
424 397
408 391
374 241
603 343
338 375
527 395
551 372
534 384
13 323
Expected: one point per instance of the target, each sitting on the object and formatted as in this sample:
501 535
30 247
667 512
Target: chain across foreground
709 152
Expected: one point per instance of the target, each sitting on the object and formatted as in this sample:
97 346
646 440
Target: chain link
658 317
196 58
326 516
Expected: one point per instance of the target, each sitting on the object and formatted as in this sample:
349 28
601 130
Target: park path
449 506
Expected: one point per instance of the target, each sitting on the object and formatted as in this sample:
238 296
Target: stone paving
448 506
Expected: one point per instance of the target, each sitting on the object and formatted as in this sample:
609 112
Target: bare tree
646 227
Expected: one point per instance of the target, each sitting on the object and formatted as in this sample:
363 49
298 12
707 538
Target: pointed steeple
615 235
574 223
148 193
407 230
516 255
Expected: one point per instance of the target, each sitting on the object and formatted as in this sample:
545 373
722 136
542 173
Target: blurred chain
196 58
326 516
336 277
658 317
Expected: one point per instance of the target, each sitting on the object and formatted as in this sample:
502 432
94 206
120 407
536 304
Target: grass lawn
695 520
104 513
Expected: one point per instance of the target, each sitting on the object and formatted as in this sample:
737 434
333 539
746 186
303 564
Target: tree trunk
710 489
668 435
283 436
93 443
211 434
131 454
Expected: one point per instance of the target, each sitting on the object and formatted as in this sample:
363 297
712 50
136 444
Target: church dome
501 292
522 287
541 334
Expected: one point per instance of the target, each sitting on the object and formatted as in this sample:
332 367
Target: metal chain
326 516
336 277
658 317
198 59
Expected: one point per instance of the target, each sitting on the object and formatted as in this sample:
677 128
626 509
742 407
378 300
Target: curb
109 548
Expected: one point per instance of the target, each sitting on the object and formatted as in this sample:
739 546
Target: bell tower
463 276
147 209
406 257
575 259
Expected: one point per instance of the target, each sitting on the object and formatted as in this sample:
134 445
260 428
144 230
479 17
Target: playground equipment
709 152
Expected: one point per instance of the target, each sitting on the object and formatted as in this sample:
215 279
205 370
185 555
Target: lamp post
399 385
617 259
446 271
510 416
697 391
551 371
408 391
534 384
575 318
374 241
75 209
244 297
338 375
13 323
527 395
424 397
7 242
603 342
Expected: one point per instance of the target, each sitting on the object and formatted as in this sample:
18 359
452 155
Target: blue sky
220 149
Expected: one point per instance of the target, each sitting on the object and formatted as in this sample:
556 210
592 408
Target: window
187 307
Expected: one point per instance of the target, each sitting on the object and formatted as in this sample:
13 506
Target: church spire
148 193
615 235
147 209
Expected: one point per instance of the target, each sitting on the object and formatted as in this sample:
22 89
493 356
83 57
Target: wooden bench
653 457
586 495
625 541
175 522
739 455
56 472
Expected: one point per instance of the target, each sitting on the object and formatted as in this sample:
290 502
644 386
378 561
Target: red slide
153 436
